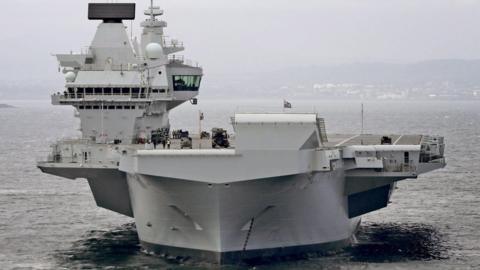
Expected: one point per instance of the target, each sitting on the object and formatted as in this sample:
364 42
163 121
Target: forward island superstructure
280 187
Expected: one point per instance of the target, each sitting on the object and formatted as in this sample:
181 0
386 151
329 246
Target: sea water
433 222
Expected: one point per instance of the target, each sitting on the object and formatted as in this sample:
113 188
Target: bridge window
125 91
407 157
158 91
186 82
117 91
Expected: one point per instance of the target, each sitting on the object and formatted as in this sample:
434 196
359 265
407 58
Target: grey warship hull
262 218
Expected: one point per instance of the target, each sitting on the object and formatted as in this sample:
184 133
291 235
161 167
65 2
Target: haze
252 36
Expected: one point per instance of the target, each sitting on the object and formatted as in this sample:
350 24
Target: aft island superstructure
280 187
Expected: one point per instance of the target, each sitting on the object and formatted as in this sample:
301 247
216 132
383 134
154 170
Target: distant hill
5 106
457 73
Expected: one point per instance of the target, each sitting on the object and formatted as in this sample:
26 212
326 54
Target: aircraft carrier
278 186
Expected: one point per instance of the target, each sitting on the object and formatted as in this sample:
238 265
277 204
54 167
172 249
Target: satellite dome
154 50
70 76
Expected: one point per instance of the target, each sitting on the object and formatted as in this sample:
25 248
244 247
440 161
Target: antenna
362 118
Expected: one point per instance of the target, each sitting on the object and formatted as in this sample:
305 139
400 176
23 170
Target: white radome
70 76
154 50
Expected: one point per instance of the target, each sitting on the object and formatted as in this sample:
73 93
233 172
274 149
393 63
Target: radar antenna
153 11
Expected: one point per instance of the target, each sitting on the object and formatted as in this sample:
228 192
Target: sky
245 36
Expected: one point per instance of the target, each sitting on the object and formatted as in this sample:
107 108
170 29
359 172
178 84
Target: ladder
322 129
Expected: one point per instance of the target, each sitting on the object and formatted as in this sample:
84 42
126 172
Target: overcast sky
255 35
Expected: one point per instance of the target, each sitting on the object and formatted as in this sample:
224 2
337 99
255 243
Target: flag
201 116
287 105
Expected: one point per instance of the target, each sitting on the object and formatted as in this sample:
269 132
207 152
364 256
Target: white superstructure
281 187
123 89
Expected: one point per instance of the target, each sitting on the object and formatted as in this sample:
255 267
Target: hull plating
274 214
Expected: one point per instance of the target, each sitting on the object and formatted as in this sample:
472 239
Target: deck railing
120 96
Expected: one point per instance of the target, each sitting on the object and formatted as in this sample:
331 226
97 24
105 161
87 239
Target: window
70 93
117 91
407 157
186 82
125 91
89 90
118 107
88 107
107 91
81 107
96 107
135 92
111 107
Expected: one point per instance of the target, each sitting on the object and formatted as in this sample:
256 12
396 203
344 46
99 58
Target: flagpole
199 129
361 134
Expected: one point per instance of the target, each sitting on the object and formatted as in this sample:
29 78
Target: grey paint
368 201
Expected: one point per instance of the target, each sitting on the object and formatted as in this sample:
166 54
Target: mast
152 17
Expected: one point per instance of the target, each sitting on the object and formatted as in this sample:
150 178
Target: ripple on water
394 242
376 243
